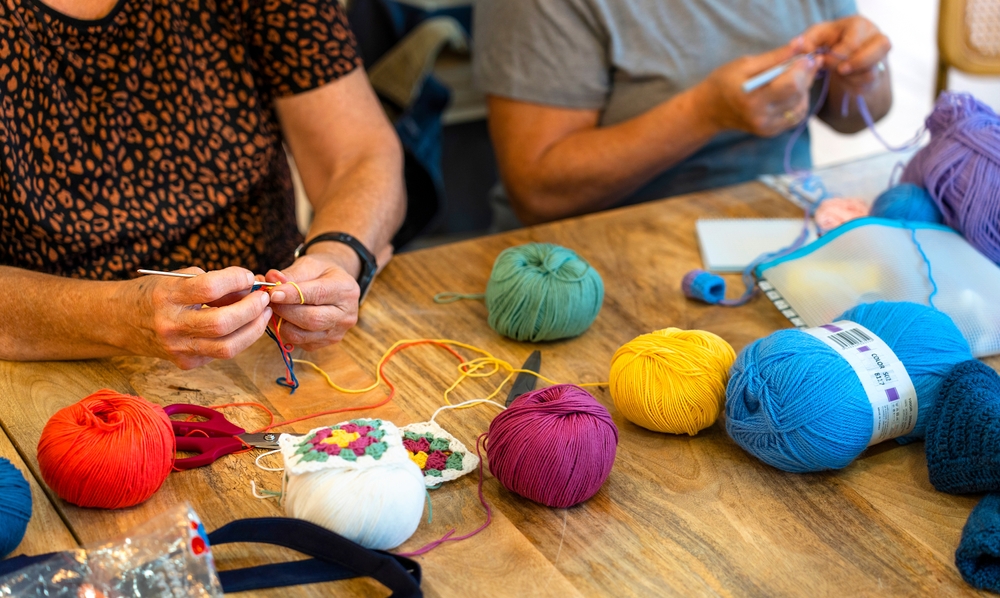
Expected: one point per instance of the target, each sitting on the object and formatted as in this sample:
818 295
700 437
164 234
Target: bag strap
334 558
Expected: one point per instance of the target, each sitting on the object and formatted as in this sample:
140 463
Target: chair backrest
969 35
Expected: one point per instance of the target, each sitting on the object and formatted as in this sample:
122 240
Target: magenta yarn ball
554 446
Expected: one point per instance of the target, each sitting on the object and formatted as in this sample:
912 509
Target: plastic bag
168 556
873 259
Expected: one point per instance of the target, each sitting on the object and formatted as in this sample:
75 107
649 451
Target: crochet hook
256 285
772 73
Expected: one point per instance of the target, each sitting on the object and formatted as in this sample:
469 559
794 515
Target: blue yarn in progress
907 202
15 507
797 405
978 554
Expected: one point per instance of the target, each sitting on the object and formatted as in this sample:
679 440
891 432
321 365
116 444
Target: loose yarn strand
927 262
450 537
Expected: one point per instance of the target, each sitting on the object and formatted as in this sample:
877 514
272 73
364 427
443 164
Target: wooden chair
968 39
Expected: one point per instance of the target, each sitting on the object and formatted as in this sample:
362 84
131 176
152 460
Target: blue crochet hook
773 73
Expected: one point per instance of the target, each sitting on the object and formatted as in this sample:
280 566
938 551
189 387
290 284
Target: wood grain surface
678 515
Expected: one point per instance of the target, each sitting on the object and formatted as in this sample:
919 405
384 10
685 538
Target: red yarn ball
555 446
109 450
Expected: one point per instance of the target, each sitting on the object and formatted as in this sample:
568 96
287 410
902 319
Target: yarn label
883 376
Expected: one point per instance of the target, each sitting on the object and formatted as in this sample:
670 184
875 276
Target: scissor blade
267 440
525 382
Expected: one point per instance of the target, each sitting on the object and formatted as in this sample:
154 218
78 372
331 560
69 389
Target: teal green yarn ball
542 292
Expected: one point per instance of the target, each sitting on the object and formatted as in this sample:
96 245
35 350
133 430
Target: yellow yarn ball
672 380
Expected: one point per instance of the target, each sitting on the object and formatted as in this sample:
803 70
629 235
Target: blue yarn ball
794 403
907 202
15 507
542 292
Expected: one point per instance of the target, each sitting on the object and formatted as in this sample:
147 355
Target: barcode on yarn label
882 375
850 338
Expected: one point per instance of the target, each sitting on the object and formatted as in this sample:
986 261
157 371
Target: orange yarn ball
109 451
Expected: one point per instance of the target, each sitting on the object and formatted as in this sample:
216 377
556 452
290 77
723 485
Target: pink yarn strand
448 537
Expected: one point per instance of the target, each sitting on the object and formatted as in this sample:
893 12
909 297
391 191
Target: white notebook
729 245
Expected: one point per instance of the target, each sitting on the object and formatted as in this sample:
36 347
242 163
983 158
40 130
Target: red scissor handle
215 424
209 450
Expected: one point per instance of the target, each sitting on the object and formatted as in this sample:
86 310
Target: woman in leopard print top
148 134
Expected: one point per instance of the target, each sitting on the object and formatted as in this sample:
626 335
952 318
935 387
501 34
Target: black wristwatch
368 264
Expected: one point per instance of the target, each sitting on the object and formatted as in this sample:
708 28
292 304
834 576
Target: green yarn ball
542 292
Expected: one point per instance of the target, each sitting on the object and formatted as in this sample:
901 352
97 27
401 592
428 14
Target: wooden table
678 516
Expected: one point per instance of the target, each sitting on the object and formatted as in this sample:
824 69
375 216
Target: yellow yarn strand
480 367
302 301
671 380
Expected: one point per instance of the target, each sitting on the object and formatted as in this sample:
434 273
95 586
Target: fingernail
267 313
264 299
250 279
278 296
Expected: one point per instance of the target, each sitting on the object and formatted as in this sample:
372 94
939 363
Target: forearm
597 167
52 318
365 198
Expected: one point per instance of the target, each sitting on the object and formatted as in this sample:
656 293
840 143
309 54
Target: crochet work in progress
440 456
963 431
346 441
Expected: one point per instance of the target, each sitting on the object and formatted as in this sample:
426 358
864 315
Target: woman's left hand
328 307
856 50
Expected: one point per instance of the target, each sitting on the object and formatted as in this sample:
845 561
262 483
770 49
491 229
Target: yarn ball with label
671 380
15 507
356 479
960 167
795 403
908 202
835 211
555 446
109 450
541 292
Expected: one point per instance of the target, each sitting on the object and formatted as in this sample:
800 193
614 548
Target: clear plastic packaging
873 259
168 556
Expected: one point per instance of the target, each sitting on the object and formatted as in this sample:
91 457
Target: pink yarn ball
555 446
831 213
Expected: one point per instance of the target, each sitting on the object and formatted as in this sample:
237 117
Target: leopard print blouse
148 138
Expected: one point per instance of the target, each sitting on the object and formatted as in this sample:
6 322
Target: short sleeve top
624 57
148 138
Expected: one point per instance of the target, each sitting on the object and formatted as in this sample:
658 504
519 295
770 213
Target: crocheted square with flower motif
441 456
358 443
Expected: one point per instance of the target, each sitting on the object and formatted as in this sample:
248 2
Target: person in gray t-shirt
599 103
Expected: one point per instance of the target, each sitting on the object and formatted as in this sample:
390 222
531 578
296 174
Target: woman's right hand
191 321
771 109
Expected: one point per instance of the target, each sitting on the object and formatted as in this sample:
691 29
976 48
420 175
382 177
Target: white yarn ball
374 497
378 507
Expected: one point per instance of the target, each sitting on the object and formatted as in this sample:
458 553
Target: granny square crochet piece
441 456
963 431
978 554
358 443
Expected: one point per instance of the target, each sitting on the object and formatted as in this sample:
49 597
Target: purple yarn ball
555 446
960 167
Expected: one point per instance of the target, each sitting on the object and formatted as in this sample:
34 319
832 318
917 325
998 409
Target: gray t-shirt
623 57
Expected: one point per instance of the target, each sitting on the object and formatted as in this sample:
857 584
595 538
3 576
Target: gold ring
790 117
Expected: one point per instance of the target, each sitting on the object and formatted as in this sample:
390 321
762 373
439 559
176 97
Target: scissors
525 382
215 437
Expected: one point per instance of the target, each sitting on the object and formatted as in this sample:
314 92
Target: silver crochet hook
256 285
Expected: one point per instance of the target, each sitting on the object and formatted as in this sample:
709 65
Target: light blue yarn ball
542 292
907 202
15 507
794 403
